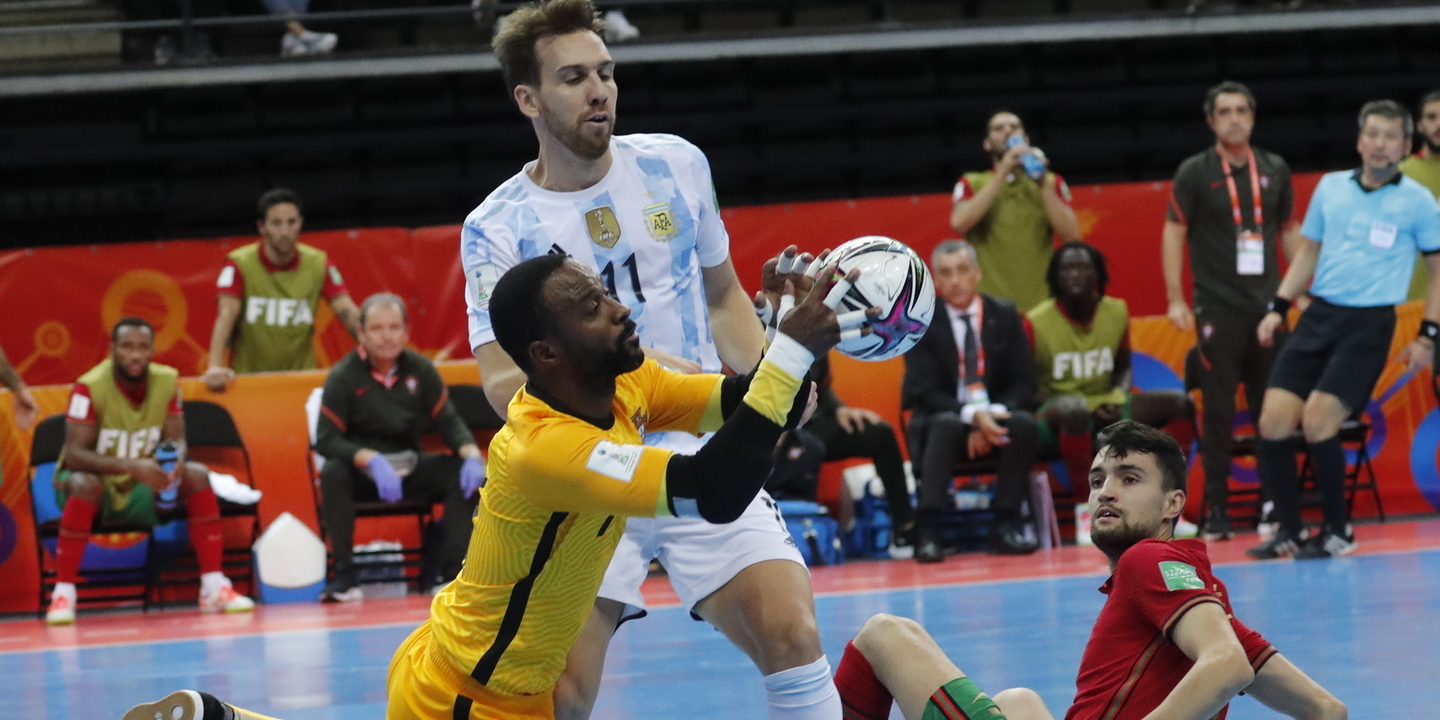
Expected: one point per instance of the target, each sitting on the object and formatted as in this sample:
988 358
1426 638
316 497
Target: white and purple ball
894 279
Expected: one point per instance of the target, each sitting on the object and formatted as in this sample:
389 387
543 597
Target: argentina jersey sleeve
496 236
712 242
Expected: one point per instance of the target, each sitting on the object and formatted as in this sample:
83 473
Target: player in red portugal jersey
1166 644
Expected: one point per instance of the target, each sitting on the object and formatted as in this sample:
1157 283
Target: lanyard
1235 194
974 327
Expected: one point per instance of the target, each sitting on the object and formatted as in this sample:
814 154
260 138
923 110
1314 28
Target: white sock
803 693
211 582
66 589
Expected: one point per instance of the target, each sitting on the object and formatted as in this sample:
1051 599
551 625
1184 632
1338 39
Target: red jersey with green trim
1130 665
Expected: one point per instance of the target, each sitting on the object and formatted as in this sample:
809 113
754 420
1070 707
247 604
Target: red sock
1078 452
862 694
75 522
202 510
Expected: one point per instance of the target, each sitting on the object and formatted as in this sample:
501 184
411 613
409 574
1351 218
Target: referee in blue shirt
1361 233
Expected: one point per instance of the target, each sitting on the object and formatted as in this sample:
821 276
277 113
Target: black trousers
940 439
1232 355
877 442
436 479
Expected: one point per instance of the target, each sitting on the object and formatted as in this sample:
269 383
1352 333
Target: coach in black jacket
982 414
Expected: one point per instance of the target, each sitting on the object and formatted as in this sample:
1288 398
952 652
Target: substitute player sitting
119 412
1166 644
1081 338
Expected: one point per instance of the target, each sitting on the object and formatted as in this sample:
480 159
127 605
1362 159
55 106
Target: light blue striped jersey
648 227
1368 240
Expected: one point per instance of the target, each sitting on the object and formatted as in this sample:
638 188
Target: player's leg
618 600
1066 419
436 478
579 685
340 484
1226 343
190 705
768 611
80 495
940 438
923 680
1012 487
1297 369
202 512
877 442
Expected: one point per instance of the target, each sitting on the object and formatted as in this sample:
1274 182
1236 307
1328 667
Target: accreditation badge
1250 253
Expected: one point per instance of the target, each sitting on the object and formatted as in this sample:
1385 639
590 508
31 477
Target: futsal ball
894 279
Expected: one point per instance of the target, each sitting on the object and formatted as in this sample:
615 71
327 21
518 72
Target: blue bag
814 532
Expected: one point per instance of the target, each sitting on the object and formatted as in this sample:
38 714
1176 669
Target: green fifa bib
1014 241
125 430
1425 171
277 314
1075 360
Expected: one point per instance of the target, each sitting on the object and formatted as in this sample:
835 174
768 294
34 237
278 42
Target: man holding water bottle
1013 213
120 413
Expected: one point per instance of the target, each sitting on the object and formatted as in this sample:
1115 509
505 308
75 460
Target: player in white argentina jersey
641 210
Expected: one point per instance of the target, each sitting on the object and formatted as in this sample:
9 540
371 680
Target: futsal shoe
1217 525
1329 544
343 588
189 705
618 28
62 608
1283 544
225 599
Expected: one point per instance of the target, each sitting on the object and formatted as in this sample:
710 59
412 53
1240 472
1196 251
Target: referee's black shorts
1337 350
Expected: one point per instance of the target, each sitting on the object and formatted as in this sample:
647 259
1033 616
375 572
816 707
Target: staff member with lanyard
1229 204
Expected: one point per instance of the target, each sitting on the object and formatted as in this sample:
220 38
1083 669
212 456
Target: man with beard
119 412
1166 643
1081 338
269 292
1011 216
1231 210
1362 231
1424 167
641 211
565 474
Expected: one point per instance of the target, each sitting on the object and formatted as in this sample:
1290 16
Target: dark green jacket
358 412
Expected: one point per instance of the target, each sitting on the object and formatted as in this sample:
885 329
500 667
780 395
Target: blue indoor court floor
1367 627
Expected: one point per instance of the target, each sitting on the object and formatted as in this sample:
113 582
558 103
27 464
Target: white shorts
699 557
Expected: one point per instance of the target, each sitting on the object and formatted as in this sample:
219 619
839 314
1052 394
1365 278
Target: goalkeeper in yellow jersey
565 472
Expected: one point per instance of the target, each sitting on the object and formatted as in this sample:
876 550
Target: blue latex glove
386 481
472 476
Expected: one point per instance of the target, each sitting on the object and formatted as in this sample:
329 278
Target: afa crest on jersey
604 228
659 222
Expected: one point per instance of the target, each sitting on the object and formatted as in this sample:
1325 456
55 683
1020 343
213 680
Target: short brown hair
515 43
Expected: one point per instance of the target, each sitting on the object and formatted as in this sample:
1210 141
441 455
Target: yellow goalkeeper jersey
557 493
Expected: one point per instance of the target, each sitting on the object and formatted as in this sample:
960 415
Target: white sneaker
62 607
618 29
225 599
319 43
290 45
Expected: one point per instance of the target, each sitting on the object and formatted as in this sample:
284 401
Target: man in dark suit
969 393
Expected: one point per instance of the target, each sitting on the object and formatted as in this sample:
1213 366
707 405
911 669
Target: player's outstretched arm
1282 687
1221 668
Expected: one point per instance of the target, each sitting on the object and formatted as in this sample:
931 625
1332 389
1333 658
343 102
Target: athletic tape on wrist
789 355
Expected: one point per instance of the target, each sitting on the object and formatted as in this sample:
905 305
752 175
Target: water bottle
1034 166
167 455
